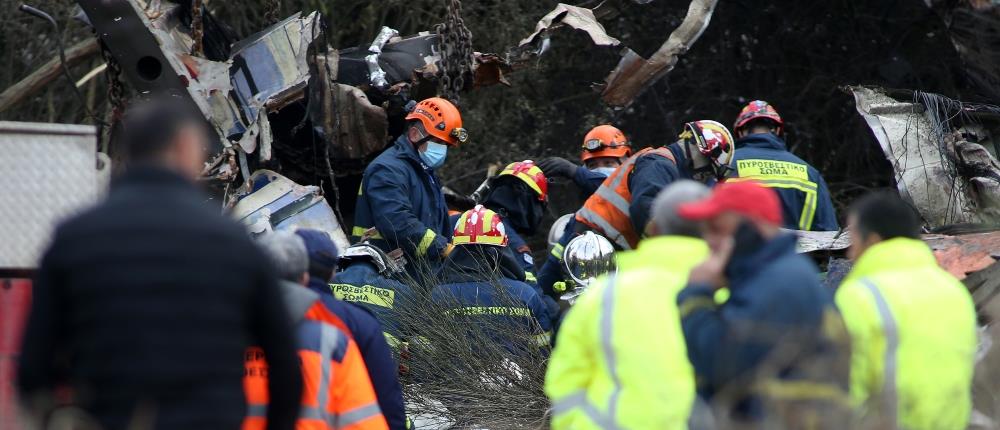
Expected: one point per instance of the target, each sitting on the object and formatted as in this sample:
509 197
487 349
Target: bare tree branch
44 75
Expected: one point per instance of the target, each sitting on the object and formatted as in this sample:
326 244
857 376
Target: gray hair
287 252
664 210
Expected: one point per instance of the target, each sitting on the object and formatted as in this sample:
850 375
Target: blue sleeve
382 368
826 216
551 271
652 173
386 188
587 180
718 346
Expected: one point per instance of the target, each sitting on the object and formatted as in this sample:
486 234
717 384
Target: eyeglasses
596 145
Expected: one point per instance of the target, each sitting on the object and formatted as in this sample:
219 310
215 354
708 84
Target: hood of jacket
516 203
893 254
743 265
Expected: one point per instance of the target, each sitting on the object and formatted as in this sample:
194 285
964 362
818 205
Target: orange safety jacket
337 392
607 210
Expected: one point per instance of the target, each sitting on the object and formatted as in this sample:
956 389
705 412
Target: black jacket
148 302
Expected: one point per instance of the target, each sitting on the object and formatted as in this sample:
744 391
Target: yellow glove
559 287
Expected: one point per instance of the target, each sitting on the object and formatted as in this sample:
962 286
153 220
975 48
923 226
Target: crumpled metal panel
964 254
274 202
49 172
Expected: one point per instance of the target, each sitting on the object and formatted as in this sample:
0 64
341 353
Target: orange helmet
605 141
480 226
758 109
528 172
441 119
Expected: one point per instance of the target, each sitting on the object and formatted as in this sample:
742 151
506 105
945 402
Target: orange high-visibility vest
606 211
336 394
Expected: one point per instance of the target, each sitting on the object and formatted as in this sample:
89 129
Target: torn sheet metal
274 202
947 178
362 125
398 59
810 241
967 253
375 73
271 65
575 17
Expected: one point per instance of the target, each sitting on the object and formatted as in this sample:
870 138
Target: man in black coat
145 304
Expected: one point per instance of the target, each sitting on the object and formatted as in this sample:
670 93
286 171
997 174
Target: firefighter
519 194
762 156
604 149
912 324
401 198
609 377
619 209
337 393
479 284
368 278
360 324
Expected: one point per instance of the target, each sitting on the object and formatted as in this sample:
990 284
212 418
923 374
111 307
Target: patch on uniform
772 168
372 295
528 259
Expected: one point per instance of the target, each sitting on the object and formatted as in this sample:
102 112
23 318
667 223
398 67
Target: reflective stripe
891 346
809 188
542 339
359 231
804 390
614 198
530 277
329 337
601 223
557 251
355 416
257 410
426 242
607 322
695 303
578 399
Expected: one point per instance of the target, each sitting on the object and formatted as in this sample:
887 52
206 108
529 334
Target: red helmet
441 119
605 141
480 226
758 109
528 172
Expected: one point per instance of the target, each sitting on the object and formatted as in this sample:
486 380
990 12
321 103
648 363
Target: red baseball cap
747 198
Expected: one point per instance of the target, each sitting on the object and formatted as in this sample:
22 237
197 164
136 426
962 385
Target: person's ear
304 280
414 134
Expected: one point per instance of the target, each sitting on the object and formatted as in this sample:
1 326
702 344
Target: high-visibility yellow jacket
913 338
620 360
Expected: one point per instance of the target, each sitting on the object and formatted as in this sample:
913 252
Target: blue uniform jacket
805 200
587 180
503 302
774 292
360 284
382 368
403 200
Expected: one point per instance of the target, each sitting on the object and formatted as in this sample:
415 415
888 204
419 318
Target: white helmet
558 227
386 265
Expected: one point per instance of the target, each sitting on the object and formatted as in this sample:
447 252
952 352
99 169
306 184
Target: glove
557 166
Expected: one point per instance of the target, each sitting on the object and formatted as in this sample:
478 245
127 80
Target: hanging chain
272 10
457 58
116 89
197 29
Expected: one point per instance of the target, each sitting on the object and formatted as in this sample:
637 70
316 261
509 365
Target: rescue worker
367 278
777 350
604 149
601 375
912 324
478 283
360 324
337 393
401 198
619 209
762 156
519 194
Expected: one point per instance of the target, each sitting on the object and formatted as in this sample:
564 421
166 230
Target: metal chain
457 58
197 29
272 10
116 89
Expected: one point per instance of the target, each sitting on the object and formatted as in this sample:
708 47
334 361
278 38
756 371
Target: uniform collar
149 174
681 159
761 140
741 266
893 254
675 253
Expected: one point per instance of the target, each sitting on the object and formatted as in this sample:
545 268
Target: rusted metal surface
967 253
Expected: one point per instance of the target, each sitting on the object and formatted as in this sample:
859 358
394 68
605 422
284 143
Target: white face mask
606 171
